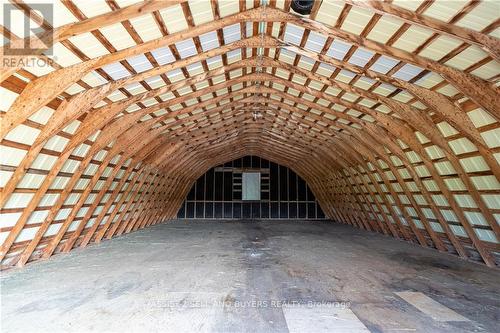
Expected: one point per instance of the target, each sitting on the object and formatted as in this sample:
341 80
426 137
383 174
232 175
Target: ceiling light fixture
303 7
257 115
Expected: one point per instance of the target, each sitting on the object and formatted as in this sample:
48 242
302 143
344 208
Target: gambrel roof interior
389 110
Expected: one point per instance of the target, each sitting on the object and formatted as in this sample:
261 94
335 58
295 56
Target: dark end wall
217 194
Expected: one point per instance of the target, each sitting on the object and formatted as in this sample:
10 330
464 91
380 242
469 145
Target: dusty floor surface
239 276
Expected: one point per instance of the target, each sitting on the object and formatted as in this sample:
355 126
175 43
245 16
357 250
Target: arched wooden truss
389 110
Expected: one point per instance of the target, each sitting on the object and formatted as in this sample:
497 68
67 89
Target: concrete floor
269 276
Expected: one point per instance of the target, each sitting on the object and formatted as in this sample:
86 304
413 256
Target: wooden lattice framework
389 110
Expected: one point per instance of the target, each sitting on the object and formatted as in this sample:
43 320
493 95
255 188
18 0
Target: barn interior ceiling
389 110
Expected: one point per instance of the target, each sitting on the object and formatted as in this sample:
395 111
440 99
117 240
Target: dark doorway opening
218 193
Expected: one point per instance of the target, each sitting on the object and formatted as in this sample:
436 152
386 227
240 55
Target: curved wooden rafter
491 44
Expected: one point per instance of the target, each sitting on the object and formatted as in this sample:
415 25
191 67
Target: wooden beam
73 29
488 43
